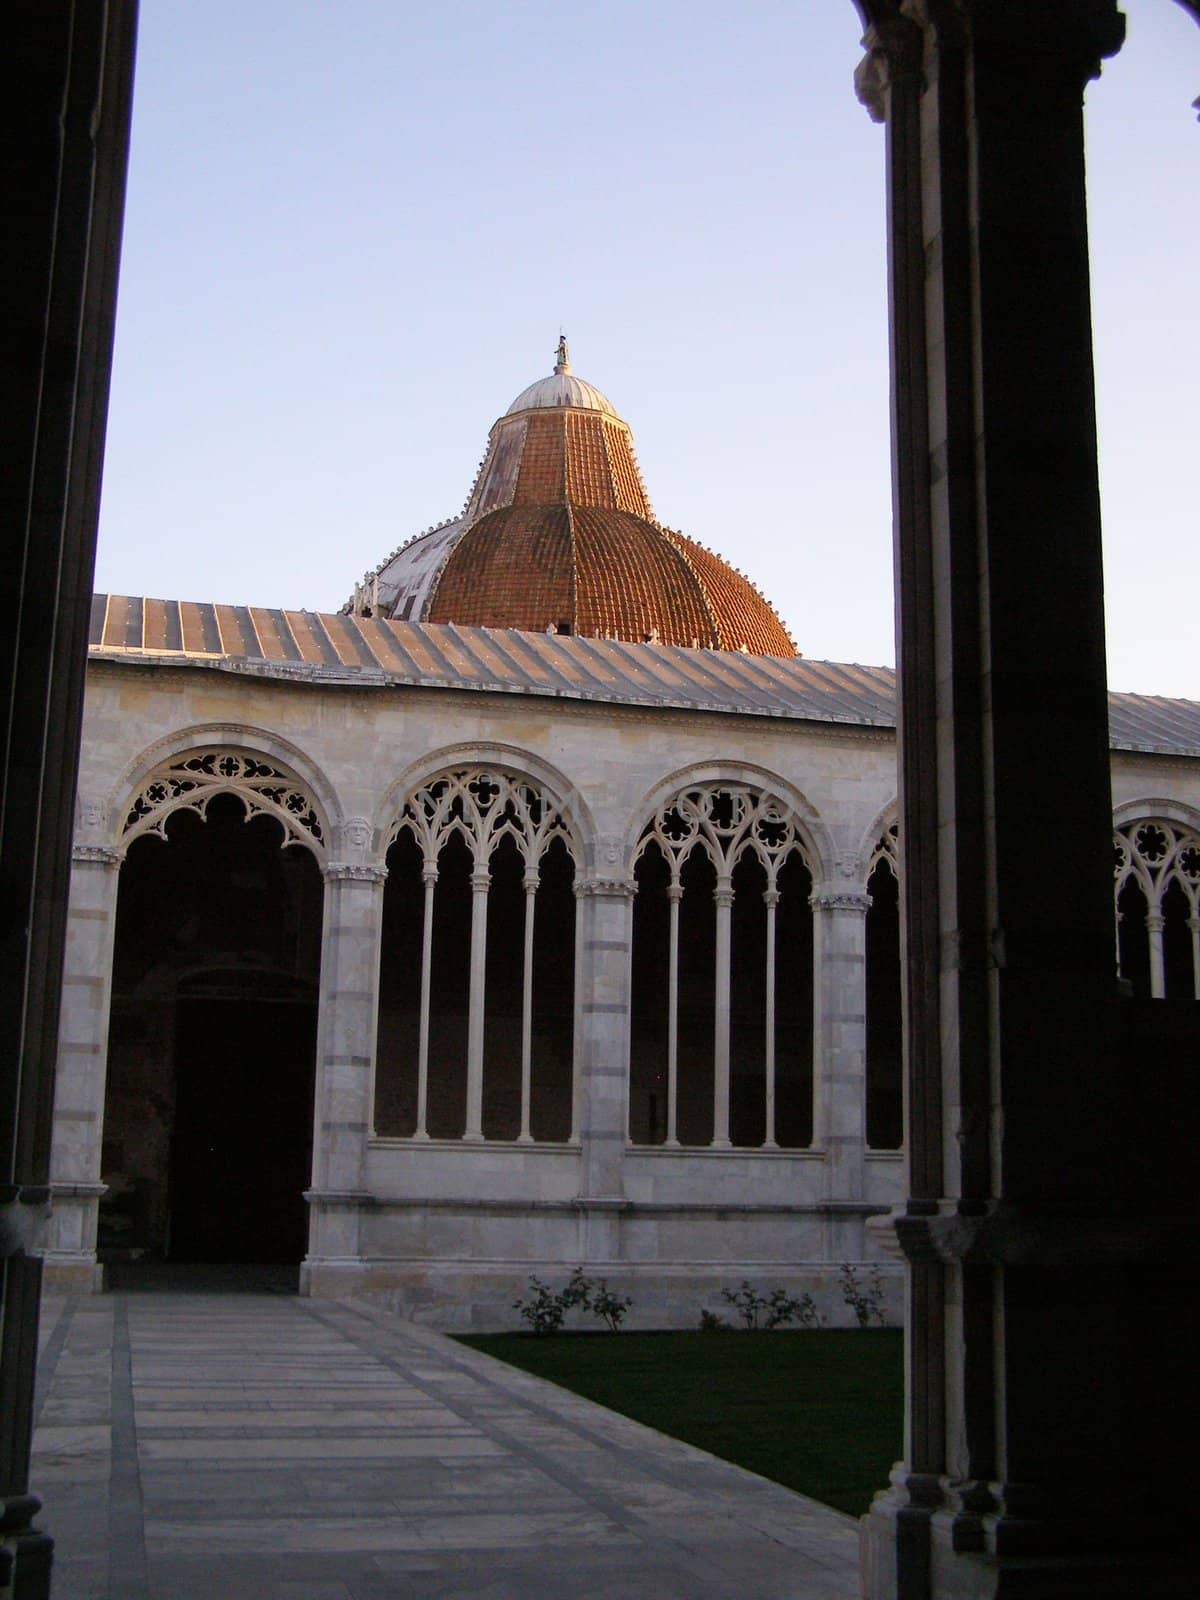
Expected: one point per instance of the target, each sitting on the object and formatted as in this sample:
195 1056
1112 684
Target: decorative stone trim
96 855
78 1191
354 872
191 781
841 901
610 888
1007 1235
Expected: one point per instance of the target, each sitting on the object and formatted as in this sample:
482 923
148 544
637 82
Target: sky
355 228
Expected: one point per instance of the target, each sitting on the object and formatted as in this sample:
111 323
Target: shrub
756 1311
609 1307
710 1322
864 1299
544 1310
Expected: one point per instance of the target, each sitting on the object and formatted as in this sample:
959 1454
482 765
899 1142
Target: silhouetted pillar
66 74
1021 1473
346 1033
81 1072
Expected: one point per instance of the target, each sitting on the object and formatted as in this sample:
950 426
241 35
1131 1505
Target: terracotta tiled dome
559 536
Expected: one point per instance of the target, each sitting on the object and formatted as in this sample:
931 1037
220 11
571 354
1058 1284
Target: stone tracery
1157 889
721 842
192 780
493 840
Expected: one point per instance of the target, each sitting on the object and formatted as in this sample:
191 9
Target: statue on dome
562 361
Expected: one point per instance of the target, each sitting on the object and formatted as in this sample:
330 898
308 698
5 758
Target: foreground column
1045 1407
346 1028
80 1075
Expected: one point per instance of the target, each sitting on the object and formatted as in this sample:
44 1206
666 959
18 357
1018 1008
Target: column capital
353 872
723 894
893 46
1081 31
841 900
481 880
605 888
97 855
1155 921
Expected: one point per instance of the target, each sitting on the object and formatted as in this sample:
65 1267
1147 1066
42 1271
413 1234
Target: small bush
864 1299
756 1311
710 1322
544 1310
609 1307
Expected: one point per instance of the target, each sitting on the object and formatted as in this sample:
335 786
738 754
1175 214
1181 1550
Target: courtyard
260 1446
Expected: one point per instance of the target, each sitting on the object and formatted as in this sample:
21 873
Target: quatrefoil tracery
482 807
1157 854
725 822
190 782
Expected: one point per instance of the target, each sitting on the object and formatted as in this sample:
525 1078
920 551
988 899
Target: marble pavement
266 1447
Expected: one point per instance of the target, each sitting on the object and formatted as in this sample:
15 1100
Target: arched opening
477 971
721 1016
209 1100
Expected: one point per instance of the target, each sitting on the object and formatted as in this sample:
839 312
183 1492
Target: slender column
674 896
81 1068
771 899
429 877
840 1049
346 1028
723 896
1155 923
531 887
606 926
481 882
1194 928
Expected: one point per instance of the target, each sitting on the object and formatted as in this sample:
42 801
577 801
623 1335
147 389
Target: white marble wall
447 1229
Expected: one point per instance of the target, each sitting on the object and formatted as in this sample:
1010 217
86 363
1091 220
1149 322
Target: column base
911 1550
65 1273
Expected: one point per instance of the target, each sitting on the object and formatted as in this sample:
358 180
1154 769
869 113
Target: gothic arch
477 978
815 838
185 770
514 763
884 824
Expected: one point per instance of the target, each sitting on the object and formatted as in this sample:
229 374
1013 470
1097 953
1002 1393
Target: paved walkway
265 1447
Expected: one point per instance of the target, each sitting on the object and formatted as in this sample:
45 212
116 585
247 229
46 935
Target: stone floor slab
265 1447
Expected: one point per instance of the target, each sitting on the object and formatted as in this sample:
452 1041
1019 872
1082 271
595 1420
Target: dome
561 389
558 536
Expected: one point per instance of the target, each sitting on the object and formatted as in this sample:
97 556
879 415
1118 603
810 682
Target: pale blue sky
354 230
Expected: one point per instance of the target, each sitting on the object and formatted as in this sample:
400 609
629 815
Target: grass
819 1411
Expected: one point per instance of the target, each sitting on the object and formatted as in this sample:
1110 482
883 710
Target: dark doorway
209 1098
241 1150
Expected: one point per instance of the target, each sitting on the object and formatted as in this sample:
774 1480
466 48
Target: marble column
481 883
723 898
839 1057
346 1031
605 931
81 1070
1045 1402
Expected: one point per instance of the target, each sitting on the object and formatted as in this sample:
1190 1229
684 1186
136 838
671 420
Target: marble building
540 908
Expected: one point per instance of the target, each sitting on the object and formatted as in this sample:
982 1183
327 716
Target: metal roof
319 648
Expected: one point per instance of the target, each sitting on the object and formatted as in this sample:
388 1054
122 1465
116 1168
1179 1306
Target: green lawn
820 1411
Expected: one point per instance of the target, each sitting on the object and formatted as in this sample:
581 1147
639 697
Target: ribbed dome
560 389
559 536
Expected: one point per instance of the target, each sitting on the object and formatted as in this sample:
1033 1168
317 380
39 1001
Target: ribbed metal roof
318 648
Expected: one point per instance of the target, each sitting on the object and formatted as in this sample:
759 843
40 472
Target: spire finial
562 361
